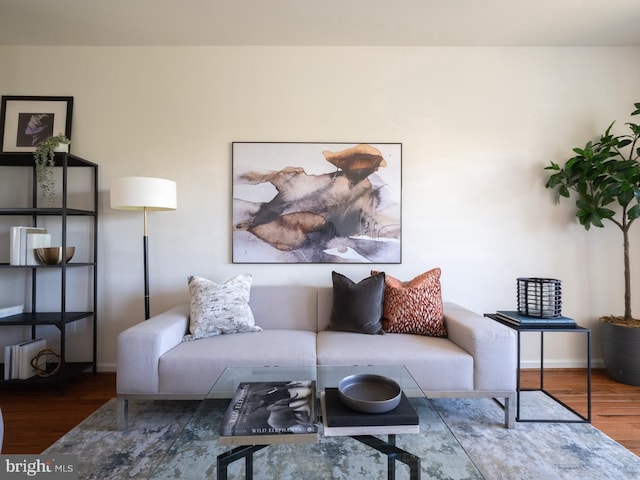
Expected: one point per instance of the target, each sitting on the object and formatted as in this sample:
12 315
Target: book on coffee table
339 415
271 412
338 419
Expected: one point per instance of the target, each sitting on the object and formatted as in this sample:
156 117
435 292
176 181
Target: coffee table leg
227 458
248 466
393 453
391 459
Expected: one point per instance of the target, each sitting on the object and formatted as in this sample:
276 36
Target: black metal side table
542 329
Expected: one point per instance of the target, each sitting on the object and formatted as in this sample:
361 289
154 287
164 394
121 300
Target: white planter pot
62 147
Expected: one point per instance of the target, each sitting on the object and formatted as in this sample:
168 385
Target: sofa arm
492 345
141 346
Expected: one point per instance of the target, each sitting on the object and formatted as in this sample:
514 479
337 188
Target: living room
481 98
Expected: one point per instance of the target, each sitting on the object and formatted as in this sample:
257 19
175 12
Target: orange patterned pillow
414 306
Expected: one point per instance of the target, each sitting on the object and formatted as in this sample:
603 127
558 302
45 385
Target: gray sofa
476 359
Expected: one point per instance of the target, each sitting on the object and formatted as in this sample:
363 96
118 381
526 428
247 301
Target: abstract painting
316 202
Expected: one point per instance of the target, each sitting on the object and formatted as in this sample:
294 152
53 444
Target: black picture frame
26 121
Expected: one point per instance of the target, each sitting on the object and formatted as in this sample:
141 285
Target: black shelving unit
62 318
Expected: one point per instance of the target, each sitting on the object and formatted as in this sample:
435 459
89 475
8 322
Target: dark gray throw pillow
357 307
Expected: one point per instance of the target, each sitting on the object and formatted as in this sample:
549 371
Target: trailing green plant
45 161
604 177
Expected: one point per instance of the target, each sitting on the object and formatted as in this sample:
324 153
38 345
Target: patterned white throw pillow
218 309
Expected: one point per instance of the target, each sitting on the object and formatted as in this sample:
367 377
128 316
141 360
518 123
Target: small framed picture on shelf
26 121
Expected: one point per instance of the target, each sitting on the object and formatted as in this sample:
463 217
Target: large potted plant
45 161
604 179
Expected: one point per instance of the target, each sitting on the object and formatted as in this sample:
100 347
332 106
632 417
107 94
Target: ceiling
321 22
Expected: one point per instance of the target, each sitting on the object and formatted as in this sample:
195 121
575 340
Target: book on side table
262 413
515 318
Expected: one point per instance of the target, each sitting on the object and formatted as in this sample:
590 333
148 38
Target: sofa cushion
193 367
220 308
436 364
414 306
357 307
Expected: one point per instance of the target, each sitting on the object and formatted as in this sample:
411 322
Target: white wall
477 126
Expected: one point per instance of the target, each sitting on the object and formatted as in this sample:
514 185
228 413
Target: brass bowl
53 255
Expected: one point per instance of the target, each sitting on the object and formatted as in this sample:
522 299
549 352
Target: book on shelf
17 359
18 244
260 409
8 363
9 311
14 246
28 352
515 318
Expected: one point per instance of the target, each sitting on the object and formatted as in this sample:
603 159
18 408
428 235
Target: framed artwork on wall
306 202
26 121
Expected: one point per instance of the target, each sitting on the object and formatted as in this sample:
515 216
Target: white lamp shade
137 193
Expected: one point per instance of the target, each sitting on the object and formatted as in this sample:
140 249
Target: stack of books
341 420
24 241
264 413
515 318
17 359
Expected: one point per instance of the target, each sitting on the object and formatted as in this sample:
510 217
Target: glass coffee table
430 449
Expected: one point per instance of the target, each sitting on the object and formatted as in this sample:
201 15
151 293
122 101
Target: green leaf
585 206
571 162
633 212
606 132
564 192
624 143
592 219
605 213
579 151
625 197
634 128
553 166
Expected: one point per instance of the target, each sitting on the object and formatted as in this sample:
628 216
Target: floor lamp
143 193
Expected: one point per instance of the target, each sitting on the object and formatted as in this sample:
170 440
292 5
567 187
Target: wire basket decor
540 297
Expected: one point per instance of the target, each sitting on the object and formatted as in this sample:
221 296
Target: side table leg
518 379
589 376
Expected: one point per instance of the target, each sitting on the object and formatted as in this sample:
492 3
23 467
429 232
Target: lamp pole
145 239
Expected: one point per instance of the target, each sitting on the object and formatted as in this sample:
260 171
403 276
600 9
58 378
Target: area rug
482 447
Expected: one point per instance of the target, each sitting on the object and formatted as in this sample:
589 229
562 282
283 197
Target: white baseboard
106 367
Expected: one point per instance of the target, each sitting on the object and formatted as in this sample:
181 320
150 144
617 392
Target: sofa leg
123 413
509 412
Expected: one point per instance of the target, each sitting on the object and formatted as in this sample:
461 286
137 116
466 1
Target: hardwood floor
35 418
615 407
